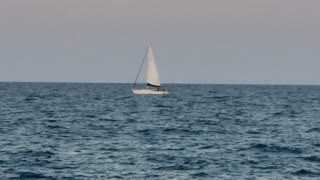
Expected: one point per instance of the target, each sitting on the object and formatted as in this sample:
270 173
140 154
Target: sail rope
140 68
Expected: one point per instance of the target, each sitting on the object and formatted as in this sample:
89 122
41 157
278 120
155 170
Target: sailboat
153 85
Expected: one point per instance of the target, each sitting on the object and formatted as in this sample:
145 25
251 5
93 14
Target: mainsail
152 72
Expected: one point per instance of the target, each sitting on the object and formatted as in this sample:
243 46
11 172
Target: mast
144 57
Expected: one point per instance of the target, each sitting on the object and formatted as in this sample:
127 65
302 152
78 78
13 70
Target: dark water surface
102 131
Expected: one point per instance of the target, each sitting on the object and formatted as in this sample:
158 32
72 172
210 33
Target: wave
316 144
32 175
181 131
175 168
253 132
304 172
199 175
219 98
313 130
162 106
275 148
55 127
37 154
115 177
278 113
312 158
173 149
90 116
34 96
206 147
107 119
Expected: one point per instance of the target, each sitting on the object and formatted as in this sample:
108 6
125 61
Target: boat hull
149 91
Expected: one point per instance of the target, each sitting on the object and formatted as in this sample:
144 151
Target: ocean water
102 131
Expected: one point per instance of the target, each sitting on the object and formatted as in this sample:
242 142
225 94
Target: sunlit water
102 131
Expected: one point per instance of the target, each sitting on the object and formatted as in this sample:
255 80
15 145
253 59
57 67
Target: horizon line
178 83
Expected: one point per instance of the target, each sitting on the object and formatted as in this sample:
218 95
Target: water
102 131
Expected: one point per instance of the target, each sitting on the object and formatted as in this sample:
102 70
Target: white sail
152 72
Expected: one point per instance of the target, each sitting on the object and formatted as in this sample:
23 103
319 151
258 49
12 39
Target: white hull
149 91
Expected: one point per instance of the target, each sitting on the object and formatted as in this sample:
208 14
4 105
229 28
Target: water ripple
102 131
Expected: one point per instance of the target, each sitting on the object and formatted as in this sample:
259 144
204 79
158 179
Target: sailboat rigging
153 85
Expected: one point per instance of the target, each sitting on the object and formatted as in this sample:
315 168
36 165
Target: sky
194 41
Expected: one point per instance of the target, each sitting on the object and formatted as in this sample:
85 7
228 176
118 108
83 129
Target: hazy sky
194 41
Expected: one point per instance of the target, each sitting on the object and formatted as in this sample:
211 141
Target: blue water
102 131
